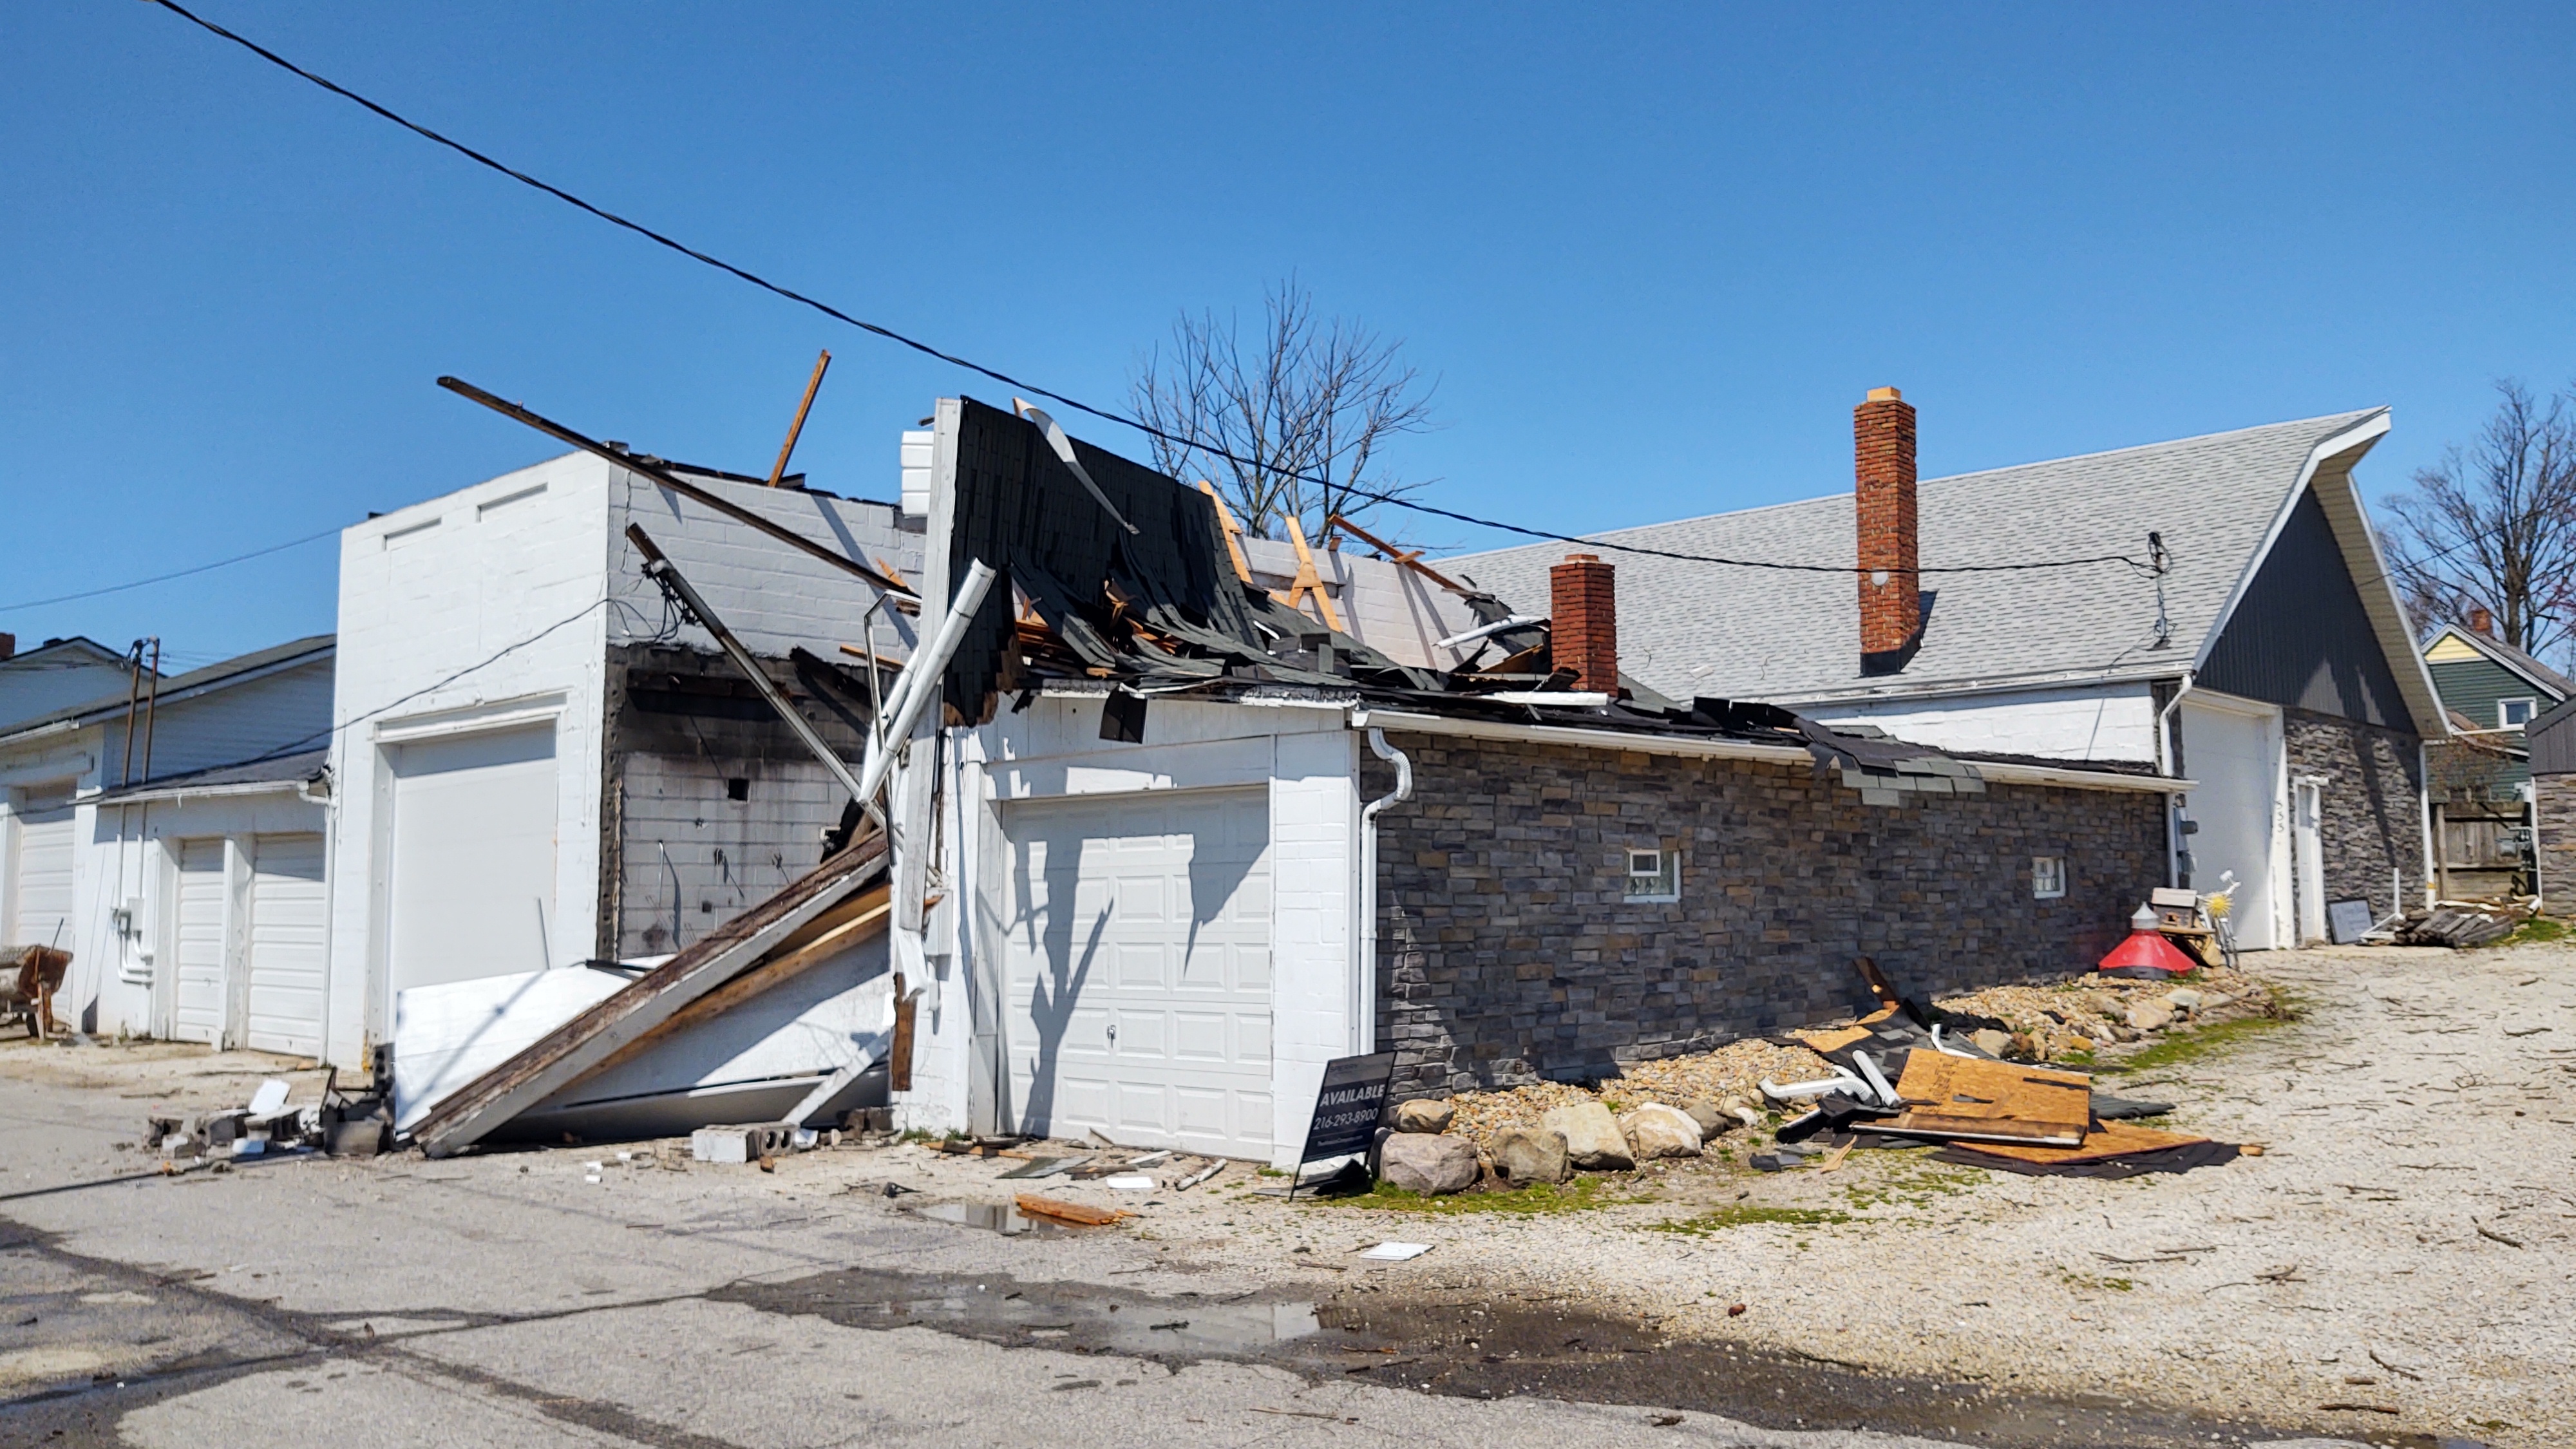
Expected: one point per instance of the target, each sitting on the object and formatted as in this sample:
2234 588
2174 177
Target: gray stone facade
2372 822
1509 954
2557 799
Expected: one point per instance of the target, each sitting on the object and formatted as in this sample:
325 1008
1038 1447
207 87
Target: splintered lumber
1401 558
1970 1099
1038 1206
2111 1139
572 1050
1233 531
788 449
1309 580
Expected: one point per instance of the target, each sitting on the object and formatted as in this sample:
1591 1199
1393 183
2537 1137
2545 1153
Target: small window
1654 875
737 788
2047 876
2513 714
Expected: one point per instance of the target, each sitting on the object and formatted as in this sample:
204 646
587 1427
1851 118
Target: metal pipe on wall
1364 978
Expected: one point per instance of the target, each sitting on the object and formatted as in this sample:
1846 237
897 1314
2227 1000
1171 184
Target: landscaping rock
1530 1154
2183 998
1710 1118
1992 1042
1428 1163
1656 1130
2150 1016
1424 1114
1593 1141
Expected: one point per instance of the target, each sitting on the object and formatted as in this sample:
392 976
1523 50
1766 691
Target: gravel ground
2404 1242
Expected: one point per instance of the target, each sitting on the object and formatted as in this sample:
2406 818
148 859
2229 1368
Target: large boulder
1593 1141
1425 1114
1427 1163
1530 1154
1656 1130
2150 1016
1711 1118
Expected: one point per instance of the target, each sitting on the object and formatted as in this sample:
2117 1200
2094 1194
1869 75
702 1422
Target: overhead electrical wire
1105 415
179 574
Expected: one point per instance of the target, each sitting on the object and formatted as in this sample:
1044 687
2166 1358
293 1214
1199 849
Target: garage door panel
1165 931
42 894
473 857
289 933
197 1010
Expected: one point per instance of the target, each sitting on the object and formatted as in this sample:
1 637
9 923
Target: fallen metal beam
666 478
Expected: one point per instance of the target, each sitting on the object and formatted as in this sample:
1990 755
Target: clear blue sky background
1654 254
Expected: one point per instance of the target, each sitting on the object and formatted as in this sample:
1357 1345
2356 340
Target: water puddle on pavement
1495 1346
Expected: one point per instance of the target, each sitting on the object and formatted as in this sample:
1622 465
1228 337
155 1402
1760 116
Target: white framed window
2513 714
2047 877
1654 875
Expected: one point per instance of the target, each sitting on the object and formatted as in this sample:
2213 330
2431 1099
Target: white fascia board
2123 681
1709 749
2355 440
2359 543
195 792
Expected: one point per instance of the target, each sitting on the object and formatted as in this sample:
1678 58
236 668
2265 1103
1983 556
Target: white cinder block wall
496 606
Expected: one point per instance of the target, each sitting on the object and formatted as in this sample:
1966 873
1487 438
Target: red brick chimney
8 646
1891 591
1583 621
2482 622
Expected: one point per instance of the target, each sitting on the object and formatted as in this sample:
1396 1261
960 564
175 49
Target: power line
1105 415
180 574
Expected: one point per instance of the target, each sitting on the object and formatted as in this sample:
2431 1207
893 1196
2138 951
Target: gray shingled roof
177 686
1700 629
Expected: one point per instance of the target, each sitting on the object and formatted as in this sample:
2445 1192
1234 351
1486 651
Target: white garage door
2235 758
473 877
288 931
42 898
197 1011
1139 967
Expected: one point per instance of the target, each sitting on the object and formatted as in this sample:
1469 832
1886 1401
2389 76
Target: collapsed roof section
1125 581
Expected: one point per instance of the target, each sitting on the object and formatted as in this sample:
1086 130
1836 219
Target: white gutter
1693 747
1364 980
207 792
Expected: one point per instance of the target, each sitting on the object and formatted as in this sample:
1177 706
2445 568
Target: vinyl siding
2300 636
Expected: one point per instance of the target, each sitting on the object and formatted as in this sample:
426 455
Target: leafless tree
1305 408
2493 526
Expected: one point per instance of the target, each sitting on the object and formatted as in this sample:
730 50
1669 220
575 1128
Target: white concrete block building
537 763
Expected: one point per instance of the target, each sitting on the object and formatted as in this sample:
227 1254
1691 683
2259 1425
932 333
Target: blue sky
1654 254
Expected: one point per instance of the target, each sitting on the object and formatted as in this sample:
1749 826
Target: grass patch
1581 1195
2538 928
1737 1215
2189 1046
2086 1280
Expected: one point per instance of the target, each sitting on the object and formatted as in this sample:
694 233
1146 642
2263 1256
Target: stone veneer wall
2557 800
2373 816
1508 954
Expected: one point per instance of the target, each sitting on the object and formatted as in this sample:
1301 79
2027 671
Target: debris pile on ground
2074 1020
268 1125
2459 924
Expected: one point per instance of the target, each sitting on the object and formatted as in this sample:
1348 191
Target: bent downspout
1364 978
2169 719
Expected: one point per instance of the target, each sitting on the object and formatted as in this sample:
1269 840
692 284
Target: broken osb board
1972 1099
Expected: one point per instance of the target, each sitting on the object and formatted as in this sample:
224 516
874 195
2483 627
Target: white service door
2307 858
1139 969
289 932
473 874
2235 760
197 1008
41 898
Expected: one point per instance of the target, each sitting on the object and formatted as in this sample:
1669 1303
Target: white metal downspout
2424 813
1364 978
2167 720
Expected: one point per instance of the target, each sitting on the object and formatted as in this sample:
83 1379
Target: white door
2234 756
41 899
1139 969
2308 856
198 1006
473 874
289 930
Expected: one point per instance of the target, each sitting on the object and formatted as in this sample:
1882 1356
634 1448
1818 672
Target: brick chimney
8 646
2482 622
1583 621
1891 591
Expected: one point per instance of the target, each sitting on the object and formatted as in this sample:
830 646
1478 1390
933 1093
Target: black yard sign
1347 1110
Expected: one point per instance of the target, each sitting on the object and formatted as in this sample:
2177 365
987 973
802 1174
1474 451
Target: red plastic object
2150 949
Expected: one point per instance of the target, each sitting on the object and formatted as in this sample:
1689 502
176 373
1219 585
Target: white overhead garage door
41 898
2235 758
1139 969
198 1009
288 955
473 875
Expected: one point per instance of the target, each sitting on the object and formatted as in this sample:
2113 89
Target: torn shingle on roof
1093 608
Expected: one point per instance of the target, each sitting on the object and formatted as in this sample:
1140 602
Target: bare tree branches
2493 526
1305 407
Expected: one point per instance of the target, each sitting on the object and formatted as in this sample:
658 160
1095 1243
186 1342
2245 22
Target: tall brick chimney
2482 622
8 646
1583 621
1891 591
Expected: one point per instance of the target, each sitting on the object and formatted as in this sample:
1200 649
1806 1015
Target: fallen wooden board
590 1039
2111 1139
1977 1100
1088 1216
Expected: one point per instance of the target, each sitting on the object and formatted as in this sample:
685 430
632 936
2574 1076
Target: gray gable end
2299 637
